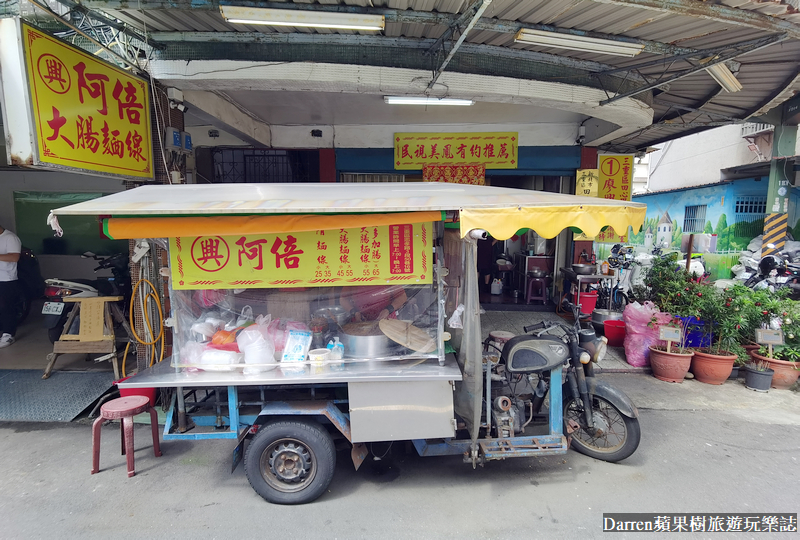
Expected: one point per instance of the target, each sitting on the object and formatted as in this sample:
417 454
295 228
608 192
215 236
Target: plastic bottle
337 353
604 268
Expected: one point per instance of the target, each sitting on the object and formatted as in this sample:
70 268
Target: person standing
10 248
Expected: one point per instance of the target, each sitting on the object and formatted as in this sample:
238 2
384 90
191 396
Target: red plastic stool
124 409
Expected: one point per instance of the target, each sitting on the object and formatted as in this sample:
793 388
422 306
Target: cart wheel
290 462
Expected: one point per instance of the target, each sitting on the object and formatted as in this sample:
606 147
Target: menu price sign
88 114
669 334
399 254
769 338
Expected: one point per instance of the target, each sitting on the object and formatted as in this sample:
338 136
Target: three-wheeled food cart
305 315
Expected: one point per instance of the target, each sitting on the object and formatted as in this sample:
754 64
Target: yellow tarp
170 227
549 221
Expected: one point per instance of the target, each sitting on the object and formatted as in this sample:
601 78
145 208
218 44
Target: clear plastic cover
257 330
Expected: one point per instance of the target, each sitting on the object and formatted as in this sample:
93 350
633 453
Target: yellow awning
549 221
169 227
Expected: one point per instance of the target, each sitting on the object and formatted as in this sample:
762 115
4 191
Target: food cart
263 280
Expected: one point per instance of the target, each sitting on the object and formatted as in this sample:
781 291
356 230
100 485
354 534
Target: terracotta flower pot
670 366
786 373
750 348
712 368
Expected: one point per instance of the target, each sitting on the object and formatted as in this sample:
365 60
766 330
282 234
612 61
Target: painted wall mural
724 217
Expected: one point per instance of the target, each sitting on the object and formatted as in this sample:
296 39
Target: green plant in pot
785 359
671 363
758 376
721 326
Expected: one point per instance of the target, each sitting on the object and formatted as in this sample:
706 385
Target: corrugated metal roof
763 74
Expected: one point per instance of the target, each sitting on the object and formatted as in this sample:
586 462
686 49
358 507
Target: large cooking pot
375 345
336 313
599 316
583 269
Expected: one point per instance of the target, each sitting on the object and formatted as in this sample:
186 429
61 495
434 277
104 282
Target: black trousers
9 296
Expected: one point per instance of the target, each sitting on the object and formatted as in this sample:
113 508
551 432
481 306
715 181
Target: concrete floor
703 449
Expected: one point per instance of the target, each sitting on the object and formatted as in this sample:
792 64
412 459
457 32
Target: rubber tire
54 333
23 309
633 435
311 434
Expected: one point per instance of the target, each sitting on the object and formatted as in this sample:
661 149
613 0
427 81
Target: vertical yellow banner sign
586 185
616 182
586 182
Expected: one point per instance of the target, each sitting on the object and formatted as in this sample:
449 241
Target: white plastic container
497 286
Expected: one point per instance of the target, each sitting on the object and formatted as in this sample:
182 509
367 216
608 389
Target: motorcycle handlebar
533 327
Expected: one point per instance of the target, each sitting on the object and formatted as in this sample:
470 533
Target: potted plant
671 364
720 327
785 359
758 376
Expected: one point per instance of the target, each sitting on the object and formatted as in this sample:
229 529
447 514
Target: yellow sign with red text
88 114
616 177
616 182
494 150
399 254
586 181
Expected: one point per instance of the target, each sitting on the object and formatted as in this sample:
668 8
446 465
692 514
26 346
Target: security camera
180 106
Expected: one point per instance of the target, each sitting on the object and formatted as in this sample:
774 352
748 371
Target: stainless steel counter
162 375
583 278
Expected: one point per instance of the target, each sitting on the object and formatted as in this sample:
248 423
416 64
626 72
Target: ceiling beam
741 48
221 113
125 29
210 38
777 97
714 12
392 16
693 109
477 10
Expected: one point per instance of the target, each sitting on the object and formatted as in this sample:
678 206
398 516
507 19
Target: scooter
602 421
55 310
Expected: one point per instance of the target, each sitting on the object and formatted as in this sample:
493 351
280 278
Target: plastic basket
588 301
615 332
149 393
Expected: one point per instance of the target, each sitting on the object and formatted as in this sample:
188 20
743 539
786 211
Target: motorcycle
775 273
31 283
602 421
56 311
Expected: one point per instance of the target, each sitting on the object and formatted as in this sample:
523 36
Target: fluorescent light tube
411 100
724 77
300 18
577 43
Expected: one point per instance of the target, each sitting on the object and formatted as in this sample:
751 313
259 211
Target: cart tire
290 461
620 436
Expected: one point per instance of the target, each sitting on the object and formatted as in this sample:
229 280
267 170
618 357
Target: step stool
539 285
124 409
498 338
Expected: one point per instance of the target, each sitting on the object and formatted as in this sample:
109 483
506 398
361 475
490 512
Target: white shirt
9 243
